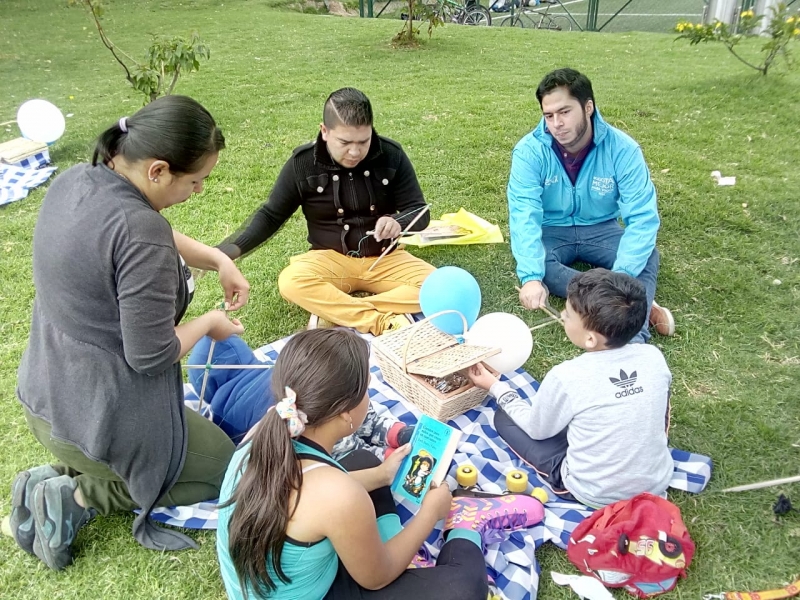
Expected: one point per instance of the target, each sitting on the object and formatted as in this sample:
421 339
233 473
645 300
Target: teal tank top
310 567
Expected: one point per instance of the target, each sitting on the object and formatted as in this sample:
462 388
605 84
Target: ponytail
175 129
258 524
108 145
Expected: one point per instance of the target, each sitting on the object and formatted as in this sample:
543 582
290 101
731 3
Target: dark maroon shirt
572 164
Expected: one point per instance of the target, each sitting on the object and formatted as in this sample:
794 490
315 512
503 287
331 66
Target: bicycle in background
468 12
536 18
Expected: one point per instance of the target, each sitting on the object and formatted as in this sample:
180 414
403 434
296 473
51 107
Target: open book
442 232
433 446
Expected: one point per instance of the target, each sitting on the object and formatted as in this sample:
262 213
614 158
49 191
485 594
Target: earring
155 179
351 423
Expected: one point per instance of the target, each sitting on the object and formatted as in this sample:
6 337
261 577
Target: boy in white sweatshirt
596 430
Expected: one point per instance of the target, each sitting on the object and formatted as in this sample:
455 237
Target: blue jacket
614 181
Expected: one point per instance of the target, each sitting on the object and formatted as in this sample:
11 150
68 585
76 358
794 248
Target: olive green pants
208 454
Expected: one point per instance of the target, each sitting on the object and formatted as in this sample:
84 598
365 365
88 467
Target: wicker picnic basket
421 349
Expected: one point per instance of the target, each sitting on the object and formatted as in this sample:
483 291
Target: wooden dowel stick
545 324
551 312
763 484
205 378
228 366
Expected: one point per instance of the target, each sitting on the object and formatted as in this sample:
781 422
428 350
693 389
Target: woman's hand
199 256
221 327
236 287
391 465
438 500
481 377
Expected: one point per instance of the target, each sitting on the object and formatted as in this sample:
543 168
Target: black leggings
459 574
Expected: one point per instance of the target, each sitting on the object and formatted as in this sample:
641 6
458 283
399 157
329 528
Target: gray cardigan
101 364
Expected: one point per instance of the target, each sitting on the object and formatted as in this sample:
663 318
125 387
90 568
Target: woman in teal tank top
296 524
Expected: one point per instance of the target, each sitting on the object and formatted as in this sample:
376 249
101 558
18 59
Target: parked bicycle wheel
515 21
476 15
557 23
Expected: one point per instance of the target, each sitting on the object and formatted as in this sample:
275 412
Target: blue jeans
597 246
238 397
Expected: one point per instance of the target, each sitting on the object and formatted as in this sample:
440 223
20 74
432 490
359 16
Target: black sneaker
21 520
57 518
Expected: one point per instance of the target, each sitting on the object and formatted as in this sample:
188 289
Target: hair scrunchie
123 124
287 410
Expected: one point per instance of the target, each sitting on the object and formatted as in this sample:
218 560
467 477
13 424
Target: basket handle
404 354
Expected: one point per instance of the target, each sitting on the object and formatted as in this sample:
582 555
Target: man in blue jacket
571 179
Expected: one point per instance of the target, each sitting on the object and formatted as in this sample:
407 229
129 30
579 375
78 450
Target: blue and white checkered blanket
511 563
17 179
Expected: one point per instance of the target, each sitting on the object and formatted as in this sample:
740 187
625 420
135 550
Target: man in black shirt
358 191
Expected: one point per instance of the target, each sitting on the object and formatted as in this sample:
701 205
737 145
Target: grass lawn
458 105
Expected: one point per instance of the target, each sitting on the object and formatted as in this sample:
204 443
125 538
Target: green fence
658 16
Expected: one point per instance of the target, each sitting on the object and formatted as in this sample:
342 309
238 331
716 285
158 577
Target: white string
227 366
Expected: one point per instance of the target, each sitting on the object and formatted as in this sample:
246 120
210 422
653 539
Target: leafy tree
419 12
167 58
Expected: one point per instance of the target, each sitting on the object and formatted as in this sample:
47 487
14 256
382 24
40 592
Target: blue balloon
451 288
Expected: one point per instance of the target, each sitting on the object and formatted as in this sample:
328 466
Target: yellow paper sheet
479 230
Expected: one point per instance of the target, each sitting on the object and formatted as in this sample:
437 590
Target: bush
781 30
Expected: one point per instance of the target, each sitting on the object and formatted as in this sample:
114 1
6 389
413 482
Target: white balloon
507 332
40 121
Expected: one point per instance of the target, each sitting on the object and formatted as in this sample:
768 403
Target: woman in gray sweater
100 381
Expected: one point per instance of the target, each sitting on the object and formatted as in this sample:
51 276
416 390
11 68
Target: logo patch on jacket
603 185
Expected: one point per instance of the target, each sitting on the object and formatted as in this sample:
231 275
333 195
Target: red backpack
640 544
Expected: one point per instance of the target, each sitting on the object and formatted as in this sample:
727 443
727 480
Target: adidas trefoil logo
626 382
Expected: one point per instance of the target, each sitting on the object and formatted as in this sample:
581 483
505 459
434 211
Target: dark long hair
328 369
175 129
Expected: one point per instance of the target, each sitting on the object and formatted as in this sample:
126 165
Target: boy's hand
481 377
391 465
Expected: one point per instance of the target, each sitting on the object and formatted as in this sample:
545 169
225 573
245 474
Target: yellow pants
321 282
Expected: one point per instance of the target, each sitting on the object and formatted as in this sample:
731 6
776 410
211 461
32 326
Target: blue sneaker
57 519
21 520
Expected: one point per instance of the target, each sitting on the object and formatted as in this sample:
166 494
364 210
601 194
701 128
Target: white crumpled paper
586 587
723 180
